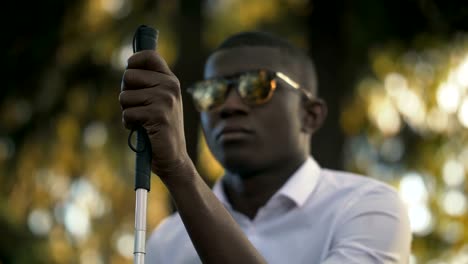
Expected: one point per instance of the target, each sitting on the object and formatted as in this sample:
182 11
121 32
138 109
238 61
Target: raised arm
151 97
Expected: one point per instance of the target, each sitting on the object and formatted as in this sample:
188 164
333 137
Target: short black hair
306 68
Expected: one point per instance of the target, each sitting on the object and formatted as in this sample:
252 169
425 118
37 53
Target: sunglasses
254 88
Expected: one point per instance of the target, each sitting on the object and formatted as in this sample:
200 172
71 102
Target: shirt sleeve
374 228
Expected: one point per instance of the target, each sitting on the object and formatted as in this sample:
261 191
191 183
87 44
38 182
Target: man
258 110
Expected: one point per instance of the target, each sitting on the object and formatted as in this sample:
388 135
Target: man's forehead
233 61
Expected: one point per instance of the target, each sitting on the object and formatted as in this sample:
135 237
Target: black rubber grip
143 160
145 39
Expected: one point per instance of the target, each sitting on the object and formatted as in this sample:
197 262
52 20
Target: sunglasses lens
209 94
255 88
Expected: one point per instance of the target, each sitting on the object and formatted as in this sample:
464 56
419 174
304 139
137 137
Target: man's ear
314 115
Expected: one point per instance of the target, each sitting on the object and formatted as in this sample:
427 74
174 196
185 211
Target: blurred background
394 73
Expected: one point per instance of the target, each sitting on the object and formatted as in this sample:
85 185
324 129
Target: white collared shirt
317 216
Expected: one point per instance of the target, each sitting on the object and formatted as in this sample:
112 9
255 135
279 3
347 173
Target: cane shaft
140 226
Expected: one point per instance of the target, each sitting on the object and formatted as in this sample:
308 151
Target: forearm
215 235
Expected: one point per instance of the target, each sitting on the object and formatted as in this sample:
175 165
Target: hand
151 97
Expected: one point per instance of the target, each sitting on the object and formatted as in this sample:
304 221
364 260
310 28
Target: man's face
246 138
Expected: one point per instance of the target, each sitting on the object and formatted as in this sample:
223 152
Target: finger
141 79
159 96
134 116
138 79
148 60
131 98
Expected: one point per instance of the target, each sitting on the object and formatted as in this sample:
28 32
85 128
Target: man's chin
240 164
238 158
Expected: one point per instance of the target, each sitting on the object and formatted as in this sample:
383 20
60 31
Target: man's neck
248 194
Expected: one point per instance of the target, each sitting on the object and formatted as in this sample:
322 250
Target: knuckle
167 99
171 81
173 86
175 81
170 102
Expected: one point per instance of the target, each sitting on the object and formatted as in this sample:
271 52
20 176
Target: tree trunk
327 51
189 66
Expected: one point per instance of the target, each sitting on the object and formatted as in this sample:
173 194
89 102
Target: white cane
145 39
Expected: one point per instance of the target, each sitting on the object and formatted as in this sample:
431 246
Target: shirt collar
297 188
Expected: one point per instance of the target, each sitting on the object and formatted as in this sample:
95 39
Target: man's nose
233 104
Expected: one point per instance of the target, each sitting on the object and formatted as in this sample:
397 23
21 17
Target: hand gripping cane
145 39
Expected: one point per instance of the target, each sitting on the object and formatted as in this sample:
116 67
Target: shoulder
348 193
361 195
347 183
358 208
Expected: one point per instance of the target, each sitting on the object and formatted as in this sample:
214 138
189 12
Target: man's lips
232 131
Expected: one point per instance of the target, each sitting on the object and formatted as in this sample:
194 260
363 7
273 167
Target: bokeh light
448 97
384 115
463 113
95 135
437 120
454 203
421 220
40 222
124 245
413 191
453 173
77 221
462 73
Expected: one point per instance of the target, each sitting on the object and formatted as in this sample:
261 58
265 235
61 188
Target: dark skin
255 166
